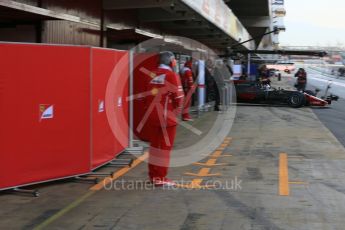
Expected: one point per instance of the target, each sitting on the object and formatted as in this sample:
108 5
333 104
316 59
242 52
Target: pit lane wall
53 119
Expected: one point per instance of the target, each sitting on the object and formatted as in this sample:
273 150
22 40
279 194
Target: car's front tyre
296 100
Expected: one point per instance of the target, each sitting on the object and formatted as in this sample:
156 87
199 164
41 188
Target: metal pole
248 70
131 92
225 105
201 85
256 37
227 96
231 88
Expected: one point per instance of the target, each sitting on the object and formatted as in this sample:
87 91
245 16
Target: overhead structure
122 24
210 22
13 11
316 53
256 18
259 17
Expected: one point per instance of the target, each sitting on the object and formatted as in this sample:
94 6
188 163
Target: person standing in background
301 76
212 84
187 80
263 76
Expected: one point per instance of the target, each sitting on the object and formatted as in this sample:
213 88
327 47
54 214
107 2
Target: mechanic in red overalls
163 106
186 74
264 77
301 79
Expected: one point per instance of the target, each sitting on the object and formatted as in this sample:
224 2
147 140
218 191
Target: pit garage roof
261 55
12 12
254 14
210 22
316 53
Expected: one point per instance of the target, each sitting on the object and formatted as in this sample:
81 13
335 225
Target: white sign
46 112
100 106
278 2
119 102
237 69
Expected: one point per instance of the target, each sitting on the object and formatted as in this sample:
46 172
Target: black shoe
216 108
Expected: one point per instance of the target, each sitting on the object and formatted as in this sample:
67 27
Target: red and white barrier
106 143
52 122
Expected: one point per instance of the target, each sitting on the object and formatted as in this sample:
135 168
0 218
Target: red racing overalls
301 80
186 75
163 105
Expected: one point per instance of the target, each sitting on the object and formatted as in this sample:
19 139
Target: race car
254 92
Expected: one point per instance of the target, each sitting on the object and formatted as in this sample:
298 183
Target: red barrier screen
44 113
106 145
143 65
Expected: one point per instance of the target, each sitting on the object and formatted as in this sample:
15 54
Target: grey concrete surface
259 134
334 119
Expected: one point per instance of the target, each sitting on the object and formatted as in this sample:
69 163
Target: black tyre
296 100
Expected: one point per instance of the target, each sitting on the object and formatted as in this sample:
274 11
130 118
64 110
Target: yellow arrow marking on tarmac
195 184
284 189
221 156
92 191
218 153
119 173
224 145
228 142
204 172
209 163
